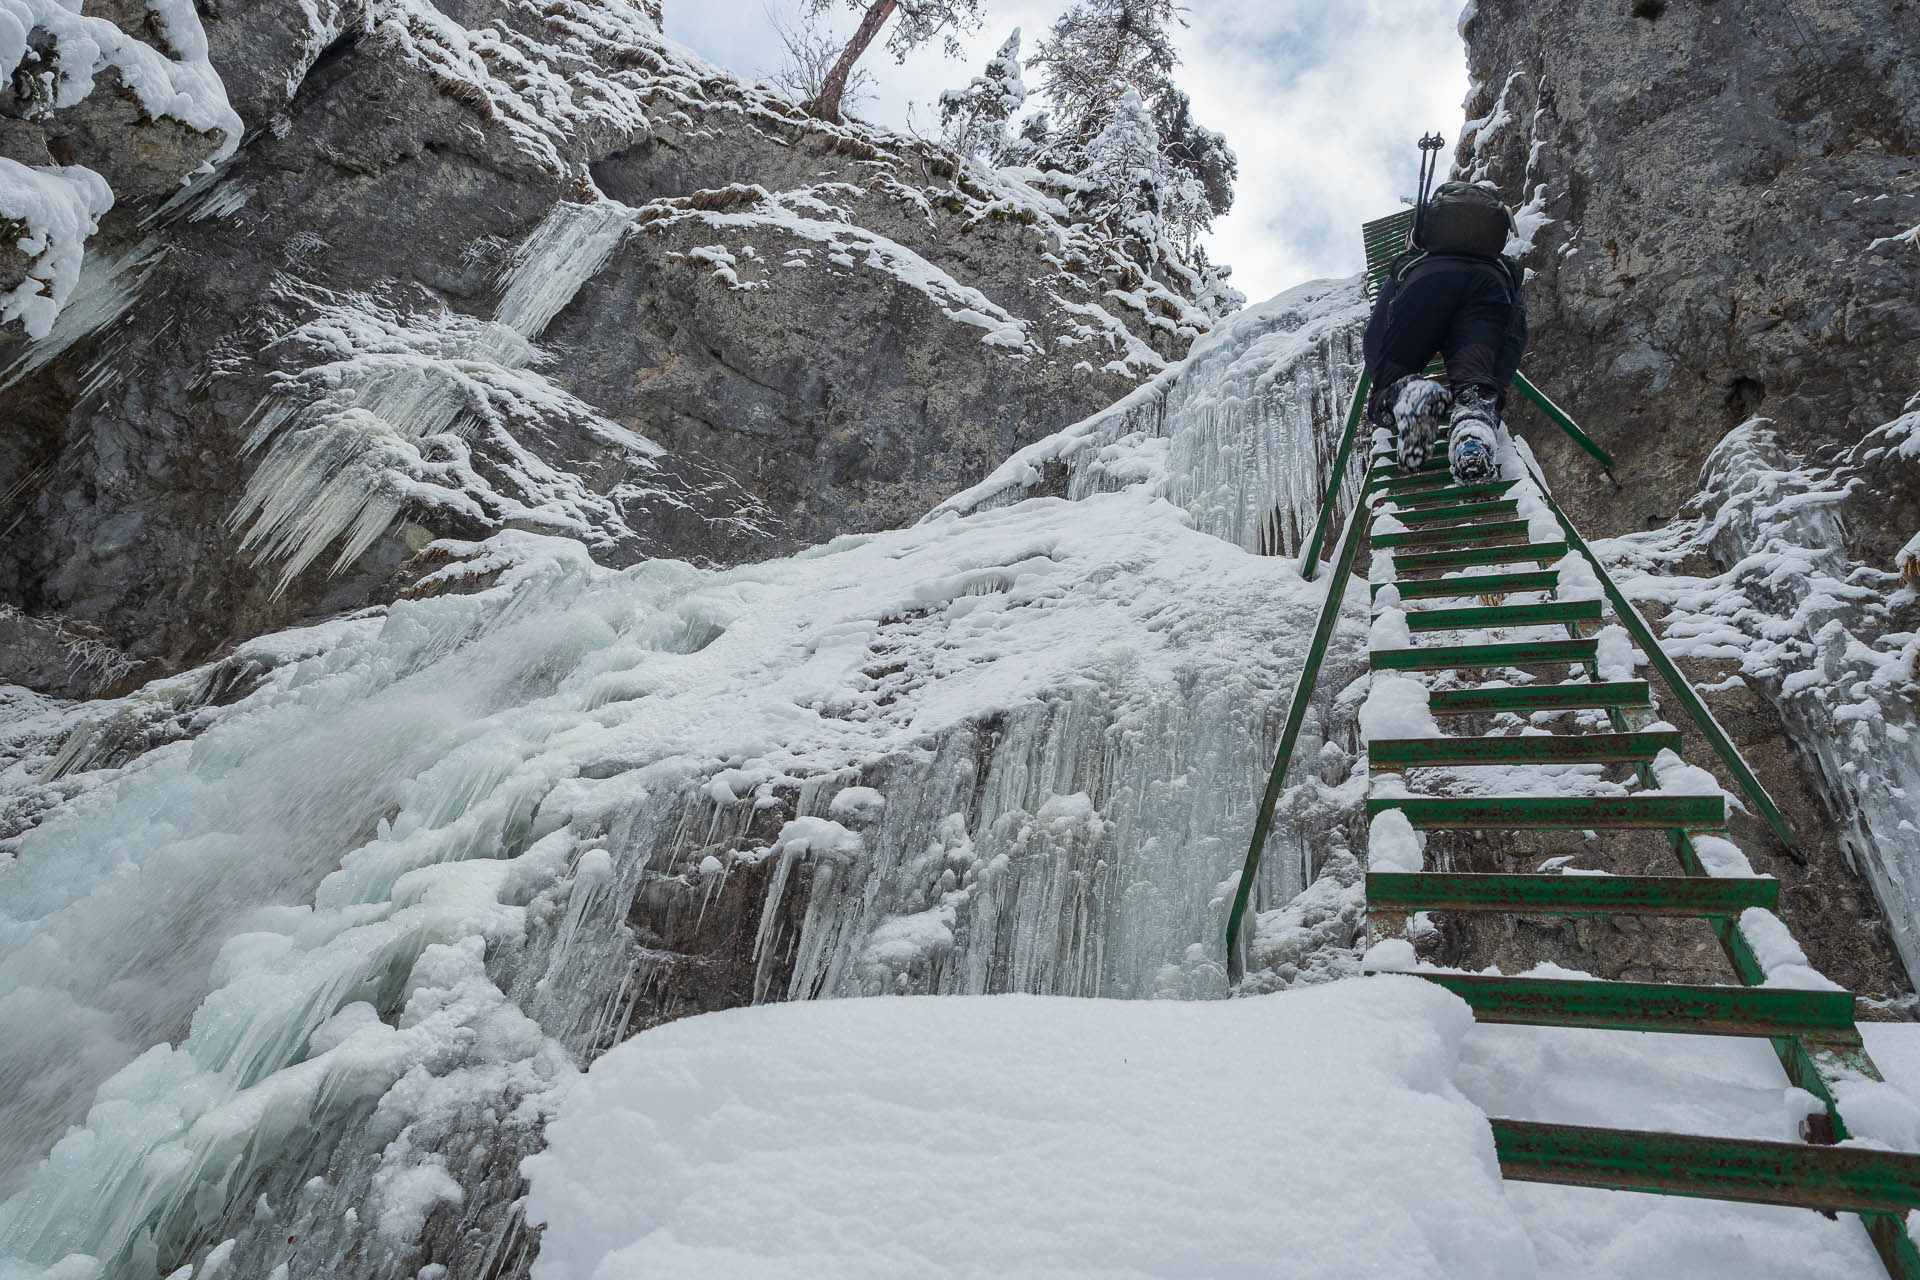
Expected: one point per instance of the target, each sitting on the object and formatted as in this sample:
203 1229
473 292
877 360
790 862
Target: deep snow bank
1309 1134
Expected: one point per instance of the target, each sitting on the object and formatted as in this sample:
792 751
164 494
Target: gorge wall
1718 210
502 265
510 303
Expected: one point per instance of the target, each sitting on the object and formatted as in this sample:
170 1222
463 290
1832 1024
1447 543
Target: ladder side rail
1800 1058
1336 480
1690 699
1797 1058
1563 420
1296 718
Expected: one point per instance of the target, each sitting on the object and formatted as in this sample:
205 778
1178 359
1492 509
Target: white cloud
1321 102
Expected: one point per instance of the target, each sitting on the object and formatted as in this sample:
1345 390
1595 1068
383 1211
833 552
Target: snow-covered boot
1419 407
1471 455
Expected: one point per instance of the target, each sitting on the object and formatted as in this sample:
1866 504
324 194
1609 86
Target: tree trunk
827 105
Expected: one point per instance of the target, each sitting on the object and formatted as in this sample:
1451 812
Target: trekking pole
1430 144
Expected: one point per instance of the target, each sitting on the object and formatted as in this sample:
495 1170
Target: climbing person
1452 291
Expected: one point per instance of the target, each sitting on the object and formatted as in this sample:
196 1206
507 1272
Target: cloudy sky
1322 102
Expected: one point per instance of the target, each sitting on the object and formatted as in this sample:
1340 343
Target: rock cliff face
1719 203
504 265
1715 188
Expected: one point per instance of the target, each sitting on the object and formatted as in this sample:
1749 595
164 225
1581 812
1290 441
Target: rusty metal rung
1650 1006
1834 1179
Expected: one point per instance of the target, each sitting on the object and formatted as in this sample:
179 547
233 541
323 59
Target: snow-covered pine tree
974 119
1204 160
1099 49
1032 140
1125 178
920 21
1094 56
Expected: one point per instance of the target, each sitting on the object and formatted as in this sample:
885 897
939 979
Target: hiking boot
1419 407
1472 449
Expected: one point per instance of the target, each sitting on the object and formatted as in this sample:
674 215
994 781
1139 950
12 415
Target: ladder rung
1479 584
1453 657
1649 1006
1475 617
1829 1178
1641 811
1525 698
1389 461
1463 511
1396 482
1394 754
1452 494
1575 895
1469 557
1452 535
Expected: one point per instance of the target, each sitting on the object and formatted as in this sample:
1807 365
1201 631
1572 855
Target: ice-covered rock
399 882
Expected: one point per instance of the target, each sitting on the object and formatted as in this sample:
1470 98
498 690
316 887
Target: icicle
562 253
342 467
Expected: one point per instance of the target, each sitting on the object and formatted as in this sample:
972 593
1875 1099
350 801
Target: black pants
1466 309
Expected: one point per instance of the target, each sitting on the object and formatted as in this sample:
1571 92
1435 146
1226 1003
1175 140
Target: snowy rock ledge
1316 1131
64 69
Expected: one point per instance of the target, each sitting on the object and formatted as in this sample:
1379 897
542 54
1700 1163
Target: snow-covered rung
1479 584
1831 1179
1646 811
1473 557
1525 699
1470 656
1650 1006
1452 535
1396 754
1464 511
1569 895
1474 618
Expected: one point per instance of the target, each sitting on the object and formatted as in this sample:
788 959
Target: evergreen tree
1098 50
1198 152
1029 142
920 21
975 118
1109 69
1125 177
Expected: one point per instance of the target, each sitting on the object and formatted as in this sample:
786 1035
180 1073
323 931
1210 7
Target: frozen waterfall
1241 435
307 958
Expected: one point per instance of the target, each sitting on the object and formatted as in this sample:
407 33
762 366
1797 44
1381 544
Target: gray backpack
1465 219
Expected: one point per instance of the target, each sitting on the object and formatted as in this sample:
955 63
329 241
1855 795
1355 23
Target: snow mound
1014 1136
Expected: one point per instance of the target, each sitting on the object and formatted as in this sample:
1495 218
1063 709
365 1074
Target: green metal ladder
1482 552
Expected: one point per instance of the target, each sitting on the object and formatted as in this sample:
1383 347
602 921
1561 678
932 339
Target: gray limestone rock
374 212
